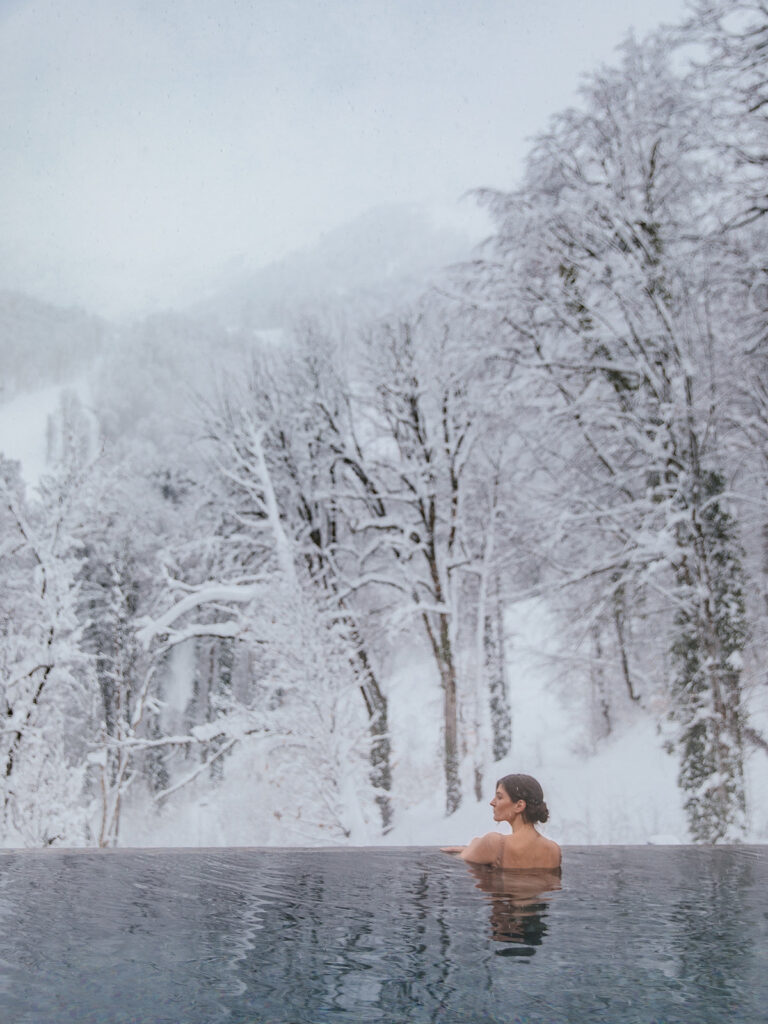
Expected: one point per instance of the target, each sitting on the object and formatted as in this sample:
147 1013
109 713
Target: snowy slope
622 792
24 425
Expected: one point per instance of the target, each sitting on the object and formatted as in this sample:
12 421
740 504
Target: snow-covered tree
301 691
419 501
600 272
46 678
732 82
311 445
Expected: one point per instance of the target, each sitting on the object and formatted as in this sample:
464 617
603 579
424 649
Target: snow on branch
191 776
236 593
165 793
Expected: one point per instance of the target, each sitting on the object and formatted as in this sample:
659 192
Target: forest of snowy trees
239 534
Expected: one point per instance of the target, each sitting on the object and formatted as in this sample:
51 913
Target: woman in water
520 801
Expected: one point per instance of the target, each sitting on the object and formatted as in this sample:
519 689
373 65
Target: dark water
635 934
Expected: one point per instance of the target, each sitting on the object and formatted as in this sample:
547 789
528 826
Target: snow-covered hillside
622 791
25 425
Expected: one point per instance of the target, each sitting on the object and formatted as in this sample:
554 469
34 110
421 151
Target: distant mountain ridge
385 252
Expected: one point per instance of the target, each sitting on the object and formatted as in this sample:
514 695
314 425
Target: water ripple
630 934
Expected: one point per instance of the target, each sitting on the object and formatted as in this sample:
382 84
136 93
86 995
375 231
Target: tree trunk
603 725
441 645
381 747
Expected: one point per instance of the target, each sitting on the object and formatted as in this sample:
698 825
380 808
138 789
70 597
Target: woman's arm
482 850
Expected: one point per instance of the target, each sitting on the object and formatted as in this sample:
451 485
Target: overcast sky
144 143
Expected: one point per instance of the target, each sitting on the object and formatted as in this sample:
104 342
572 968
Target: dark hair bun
539 812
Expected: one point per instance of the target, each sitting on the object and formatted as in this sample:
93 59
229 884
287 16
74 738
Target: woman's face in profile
502 805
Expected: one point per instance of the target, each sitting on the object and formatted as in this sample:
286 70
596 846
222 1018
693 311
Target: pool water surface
677 935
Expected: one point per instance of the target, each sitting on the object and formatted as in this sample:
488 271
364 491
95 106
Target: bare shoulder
483 849
553 852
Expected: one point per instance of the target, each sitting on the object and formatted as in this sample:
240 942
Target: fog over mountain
386 254
142 145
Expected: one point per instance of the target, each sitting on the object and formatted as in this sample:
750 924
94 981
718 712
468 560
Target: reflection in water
518 905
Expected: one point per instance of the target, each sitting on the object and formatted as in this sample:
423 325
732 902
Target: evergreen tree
708 658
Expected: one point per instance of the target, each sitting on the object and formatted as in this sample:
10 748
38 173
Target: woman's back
528 850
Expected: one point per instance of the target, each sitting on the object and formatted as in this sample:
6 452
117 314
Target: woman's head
525 787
